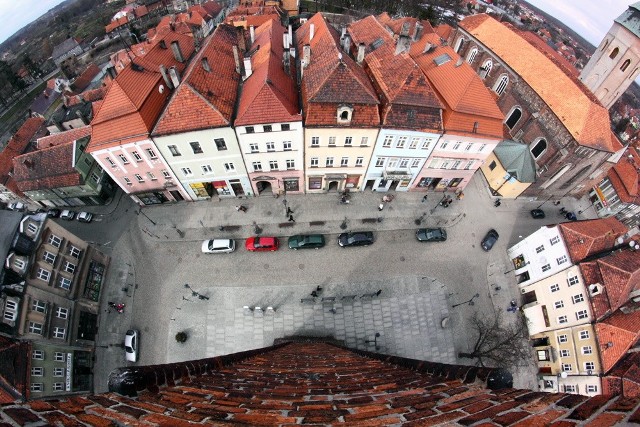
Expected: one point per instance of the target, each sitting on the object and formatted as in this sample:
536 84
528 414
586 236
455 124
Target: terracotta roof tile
63 137
616 335
624 176
17 145
586 120
444 31
621 276
83 80
212 8
369 30
202 101
624 377
14 367
47 169
395 25
585 238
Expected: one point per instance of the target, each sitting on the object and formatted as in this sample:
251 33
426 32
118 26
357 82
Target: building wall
59 370
499 180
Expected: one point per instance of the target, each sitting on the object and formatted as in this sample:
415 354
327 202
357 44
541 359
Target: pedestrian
379 292
284 202
241 208
497 203
314 294
291 218
424 198
289 211
381 206
460 195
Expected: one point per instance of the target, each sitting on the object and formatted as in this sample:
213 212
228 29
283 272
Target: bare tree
499 343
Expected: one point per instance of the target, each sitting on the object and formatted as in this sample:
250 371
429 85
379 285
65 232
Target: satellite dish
620 240
563 374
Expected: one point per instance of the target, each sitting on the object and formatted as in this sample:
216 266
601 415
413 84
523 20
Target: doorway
369 185
263 187
176 195
237 188
333 187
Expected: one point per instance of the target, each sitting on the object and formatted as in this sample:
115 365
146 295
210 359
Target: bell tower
616 62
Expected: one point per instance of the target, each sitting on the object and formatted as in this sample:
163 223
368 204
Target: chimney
82 117
285 61
111 70
292 52
252 33
177 52
360 57
165 76
247 67
306 55
406 26
427 47
459 62
346 43
205 64
343 32
402 44
312 30
175 76
236 57
290 32
285 41
163 44
417 31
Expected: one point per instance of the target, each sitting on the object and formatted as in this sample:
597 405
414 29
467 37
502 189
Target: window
314 162
139 177
546 267
151 176
64 283
584 335
249 129
573 280
285 126
344 162
95 177
415 163
48 257
35 328
36 387
58 386
37 354
59 332
348 141
501 84
443 145
174 150
136 156
11 310
486 68
582 314
539 148
344 114
359 161
589 366
266 128
562 338
68 267
39 306
187 172
558 304
253 148
404 163
291 164
468 147
387 141
273 164
566 367
555 287
564 353
456 164
229 167
111 162
555 240
592 388
425 144
364 141
614 53
392 164
562 319
568 388
220 144
207 169
513 118
62 312
74 252
54 240
286 145
195 146
127 180
577 298
315 141
380 162
562 259
166 174
587 349
332 141
43 274
401 142
124 160
472 55
257 166
19 264
329 162
58 372
271 146
152 154
456 145
59 356
37 371
540 249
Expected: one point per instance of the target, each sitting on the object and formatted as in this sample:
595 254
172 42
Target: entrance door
370 183
333 187
176 195
263 187
394 185
237 189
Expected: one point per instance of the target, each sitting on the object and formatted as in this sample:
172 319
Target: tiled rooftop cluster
30 130
321 384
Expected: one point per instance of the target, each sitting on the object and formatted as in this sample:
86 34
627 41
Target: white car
131 345
16 206
218 246
84 216
67 214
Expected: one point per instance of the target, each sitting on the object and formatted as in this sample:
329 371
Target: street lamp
439 203
194 293
470 302
139 211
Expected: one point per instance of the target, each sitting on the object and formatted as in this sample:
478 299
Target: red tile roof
367 30
444 31
333 78
585 119
624 378
624 177
269 94
86 96
16 146
48 168
588 237
395 25
616 335
212 8
85 78
63 137
134 100
205 99
15 361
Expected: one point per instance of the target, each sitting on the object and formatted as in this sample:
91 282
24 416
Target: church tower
616 62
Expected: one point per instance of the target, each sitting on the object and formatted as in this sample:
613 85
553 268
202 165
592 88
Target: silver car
218 246
67 214
131 345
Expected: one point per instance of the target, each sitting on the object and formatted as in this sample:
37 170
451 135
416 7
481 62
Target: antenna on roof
340 56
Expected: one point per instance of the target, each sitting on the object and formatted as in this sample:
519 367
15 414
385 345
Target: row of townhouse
376 110
579 282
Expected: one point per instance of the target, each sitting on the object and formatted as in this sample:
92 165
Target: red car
262 244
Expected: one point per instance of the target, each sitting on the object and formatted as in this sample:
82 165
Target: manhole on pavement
301 266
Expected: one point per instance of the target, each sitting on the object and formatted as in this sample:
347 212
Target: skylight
442 59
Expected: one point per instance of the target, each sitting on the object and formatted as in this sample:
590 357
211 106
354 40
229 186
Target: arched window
632 75
614 53
625 65
539 148
604 46
459 44
514 117
486 68
501 84
344 114
472 55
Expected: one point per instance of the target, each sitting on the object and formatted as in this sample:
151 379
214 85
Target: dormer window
344 114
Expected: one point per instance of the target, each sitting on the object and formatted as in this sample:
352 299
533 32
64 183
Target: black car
431 235
537 213
357 238
53 213
489 240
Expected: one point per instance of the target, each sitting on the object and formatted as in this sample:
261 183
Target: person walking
291 218
241 208
289 211
381 206
424 198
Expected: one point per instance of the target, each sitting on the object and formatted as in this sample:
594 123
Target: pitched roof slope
205 99
14 365
621 276
134 100
624 177
63 137
624 378
588 237
585 119
46 169
371 32
616 335
269 94
16 146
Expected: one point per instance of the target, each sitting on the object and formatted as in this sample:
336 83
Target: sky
589 18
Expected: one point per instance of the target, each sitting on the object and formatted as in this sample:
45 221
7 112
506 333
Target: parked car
537 213
356 238
53 213
218 246
308 241
131 345
67 214
84 216
431 235
16 206
262 244
489 240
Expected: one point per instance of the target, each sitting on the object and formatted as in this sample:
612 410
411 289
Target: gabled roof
332 77
47 168
625 177
624 378
134 100
616 335
85 78
269 94
205 99
369 31
588 237
212 8
620 276
17 145
14 365
581 114
516 159
63 137
409 24
444 31
64 47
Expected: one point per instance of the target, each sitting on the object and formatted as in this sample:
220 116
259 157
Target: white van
217 246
